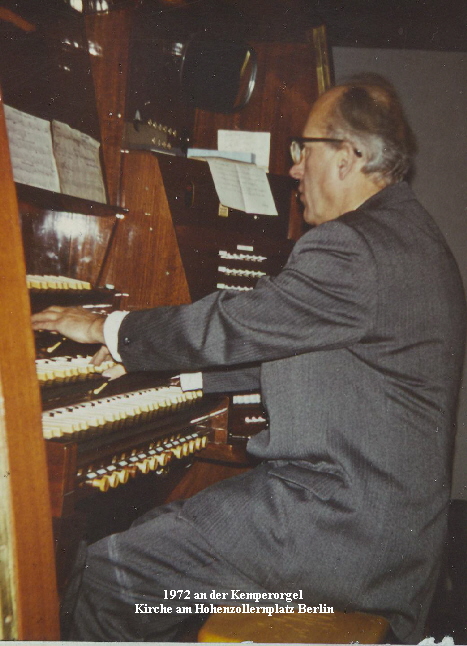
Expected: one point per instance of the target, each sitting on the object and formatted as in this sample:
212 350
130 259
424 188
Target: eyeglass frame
301 141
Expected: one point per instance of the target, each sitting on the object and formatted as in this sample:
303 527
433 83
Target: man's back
361 413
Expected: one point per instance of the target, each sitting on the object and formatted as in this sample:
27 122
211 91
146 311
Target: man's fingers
114 372
46 319
101 355
76 323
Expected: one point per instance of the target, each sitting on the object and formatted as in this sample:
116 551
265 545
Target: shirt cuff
191 381
111 328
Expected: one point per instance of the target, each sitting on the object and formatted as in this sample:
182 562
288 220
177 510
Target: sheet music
242 186
258 143
31 150
78 163
256 190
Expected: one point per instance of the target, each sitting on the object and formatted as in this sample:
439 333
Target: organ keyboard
55 282
115 438
68 369
108 441
108 413
104 436
136 444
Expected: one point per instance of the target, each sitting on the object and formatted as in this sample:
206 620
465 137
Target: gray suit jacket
360 345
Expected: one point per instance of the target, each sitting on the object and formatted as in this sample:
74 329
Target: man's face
317 169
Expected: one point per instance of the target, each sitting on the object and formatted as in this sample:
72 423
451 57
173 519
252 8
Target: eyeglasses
297 145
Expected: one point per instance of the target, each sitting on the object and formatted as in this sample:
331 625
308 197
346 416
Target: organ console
87 455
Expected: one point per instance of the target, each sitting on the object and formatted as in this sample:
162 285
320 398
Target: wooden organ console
85 456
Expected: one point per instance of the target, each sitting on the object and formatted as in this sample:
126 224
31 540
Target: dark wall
402 24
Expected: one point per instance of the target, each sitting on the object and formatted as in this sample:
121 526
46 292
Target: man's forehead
317 119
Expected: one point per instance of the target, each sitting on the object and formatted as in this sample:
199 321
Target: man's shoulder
389 218
334 241
394 198
394 210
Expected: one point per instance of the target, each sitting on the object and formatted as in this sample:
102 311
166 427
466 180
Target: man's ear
347 160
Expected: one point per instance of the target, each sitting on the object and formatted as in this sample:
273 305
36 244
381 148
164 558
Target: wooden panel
193 200
202 234
286 87
153 81
65 235
217 462
61 463
37 198
35 600
145 261
200 249
295 628
109 38
14 19
65 244
47 73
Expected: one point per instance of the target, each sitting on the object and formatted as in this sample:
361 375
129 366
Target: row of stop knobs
154 459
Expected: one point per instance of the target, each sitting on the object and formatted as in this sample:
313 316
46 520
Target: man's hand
76 323
102 355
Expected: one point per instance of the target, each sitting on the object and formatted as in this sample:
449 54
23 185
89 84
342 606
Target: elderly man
357 347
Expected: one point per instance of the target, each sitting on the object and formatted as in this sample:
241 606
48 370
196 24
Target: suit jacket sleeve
231 380
323 299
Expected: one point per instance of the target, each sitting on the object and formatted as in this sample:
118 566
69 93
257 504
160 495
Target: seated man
357 347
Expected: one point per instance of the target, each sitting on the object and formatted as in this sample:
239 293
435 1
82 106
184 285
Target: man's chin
309 217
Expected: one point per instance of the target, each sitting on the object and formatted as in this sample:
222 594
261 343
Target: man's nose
296 170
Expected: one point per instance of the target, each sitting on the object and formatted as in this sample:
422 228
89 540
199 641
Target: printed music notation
54 156
78 163
31 150
242 186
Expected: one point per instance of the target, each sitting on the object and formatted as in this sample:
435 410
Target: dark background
402 24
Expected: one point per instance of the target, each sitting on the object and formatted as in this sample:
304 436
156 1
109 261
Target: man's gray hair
369 114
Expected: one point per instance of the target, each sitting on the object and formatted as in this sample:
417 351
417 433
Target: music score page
31 150
242 186
78 162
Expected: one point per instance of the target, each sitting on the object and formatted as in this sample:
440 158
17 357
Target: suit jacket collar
392 194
